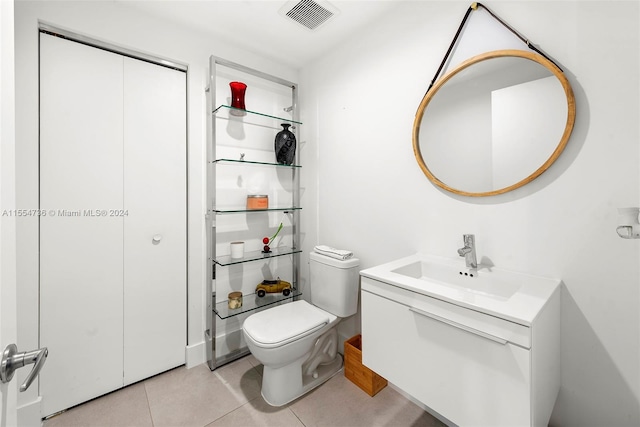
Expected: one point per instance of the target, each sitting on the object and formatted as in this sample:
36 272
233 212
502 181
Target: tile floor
230 396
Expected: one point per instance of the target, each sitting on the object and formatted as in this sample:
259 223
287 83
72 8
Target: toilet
297 342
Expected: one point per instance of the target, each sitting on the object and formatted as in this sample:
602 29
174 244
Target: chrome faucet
469 251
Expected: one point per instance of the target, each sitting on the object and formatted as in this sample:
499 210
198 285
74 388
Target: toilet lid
280 325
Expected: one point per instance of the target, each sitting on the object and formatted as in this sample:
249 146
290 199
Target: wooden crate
356 372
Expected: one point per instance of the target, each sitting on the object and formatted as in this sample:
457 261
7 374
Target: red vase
238 90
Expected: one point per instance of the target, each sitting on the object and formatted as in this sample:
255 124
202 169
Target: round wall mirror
494 123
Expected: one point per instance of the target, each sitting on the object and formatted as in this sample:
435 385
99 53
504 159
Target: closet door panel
81 273
155 219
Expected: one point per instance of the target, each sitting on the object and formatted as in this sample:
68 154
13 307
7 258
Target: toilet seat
283 324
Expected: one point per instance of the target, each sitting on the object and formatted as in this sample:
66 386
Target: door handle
12 360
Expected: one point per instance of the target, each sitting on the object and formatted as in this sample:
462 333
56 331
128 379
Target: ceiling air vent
309 13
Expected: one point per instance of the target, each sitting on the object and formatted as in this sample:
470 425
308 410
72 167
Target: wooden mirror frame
571 115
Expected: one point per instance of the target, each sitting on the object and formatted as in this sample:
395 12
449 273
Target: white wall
117 23
372 198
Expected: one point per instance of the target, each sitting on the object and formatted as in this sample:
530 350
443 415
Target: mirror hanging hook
472 7
518 35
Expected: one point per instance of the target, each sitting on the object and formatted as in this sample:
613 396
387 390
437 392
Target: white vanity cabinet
471 368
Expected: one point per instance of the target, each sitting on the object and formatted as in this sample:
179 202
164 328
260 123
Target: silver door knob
12 360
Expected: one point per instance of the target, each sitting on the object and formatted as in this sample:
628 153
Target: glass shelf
223 161
256 256
252 302
244 210
225 111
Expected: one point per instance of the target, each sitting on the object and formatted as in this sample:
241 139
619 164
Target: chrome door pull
12 360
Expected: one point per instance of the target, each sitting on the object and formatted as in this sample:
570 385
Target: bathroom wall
369 195
123 25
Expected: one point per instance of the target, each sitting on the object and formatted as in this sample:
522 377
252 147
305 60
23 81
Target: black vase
285 145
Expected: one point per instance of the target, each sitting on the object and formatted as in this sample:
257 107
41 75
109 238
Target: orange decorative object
258 202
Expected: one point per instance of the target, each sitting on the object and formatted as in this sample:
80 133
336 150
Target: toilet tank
335 284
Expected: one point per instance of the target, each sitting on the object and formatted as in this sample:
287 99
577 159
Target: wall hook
629 227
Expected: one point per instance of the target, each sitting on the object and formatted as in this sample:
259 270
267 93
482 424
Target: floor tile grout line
216 373
296 415
146 395
231 411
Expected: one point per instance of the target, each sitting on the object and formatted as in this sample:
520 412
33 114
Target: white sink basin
491 283
510 295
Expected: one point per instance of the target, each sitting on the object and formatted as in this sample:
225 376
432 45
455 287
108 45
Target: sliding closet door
155 244
81 270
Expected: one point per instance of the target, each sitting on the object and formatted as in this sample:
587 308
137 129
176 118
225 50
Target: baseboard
230 341
227 342
195 355
30 414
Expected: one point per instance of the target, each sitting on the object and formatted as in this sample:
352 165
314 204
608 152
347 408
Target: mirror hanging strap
474 6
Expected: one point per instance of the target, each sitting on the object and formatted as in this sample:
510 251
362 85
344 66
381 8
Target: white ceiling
257 25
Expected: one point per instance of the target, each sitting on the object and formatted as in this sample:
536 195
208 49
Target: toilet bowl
297 342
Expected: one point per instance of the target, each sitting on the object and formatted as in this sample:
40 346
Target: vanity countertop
513 296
